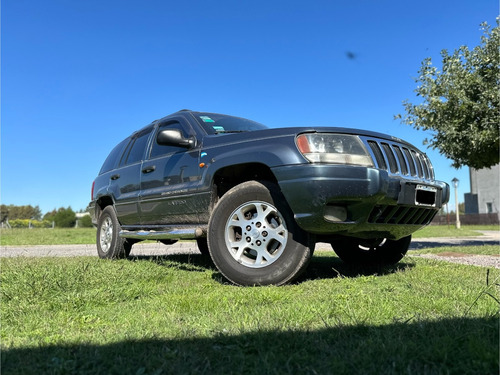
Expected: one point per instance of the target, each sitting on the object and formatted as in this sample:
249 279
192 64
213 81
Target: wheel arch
101 203
228 177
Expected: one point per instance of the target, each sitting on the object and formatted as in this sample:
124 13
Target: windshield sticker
206 119
218 128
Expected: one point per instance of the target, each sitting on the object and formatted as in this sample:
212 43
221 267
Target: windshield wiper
230 131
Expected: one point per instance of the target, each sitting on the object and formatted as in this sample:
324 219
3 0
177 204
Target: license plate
425 195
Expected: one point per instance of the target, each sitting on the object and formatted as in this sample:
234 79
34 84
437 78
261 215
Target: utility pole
455 185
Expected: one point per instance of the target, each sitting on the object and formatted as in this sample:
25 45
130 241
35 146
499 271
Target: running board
166 234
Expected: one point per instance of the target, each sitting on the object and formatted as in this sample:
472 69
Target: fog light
335 213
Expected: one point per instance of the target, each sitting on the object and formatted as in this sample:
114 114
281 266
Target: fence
26 223
469 219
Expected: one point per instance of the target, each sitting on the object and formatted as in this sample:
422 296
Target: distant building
484 197
81 215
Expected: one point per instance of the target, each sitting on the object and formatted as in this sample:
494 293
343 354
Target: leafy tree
63 217
461 103
50 215
4 213
85 222
12 212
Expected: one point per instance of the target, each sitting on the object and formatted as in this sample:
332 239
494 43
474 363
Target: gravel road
152 249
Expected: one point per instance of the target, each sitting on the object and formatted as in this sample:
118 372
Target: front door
170 179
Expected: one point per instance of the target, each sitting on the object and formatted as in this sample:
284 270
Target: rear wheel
253 238
376 251
109 244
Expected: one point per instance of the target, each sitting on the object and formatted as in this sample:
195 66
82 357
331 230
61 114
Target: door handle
149 169
115 177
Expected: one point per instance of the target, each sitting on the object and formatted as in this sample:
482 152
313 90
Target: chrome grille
400 159
408 156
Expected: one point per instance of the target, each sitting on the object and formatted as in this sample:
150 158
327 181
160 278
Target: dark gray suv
258 199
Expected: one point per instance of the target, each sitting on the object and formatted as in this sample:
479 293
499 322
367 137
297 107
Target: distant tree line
20 212
24 216
446 211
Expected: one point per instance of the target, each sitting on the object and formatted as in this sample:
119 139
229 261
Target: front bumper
356 201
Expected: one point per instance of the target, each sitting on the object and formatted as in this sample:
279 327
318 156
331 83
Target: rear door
170 180
125 180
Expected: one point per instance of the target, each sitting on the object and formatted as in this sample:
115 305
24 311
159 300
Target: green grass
44 236
451 231
176 315
485 227
475 250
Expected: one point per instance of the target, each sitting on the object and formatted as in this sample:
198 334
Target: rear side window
135 151
113 157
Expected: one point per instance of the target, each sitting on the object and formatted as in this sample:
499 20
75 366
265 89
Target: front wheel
253 238
109 244
367 252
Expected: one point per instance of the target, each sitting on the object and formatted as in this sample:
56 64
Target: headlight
334 149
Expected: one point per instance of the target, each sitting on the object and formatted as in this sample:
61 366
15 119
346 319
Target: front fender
267 154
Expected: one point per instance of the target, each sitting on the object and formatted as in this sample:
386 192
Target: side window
112 160
158 150
135 150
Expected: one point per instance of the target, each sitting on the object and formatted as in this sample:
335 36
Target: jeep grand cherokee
258 199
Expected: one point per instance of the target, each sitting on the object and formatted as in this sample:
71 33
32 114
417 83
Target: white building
484 197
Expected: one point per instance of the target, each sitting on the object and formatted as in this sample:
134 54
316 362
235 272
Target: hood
224 138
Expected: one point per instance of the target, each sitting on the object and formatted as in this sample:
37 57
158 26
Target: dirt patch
452 254
460 255
470 259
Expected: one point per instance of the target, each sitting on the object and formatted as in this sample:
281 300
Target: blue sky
79 76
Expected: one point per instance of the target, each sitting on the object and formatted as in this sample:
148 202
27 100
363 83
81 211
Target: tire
369 252
109 243
253 238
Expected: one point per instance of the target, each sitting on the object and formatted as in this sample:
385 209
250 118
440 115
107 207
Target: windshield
214 123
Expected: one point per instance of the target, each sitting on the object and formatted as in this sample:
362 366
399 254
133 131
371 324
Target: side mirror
174 137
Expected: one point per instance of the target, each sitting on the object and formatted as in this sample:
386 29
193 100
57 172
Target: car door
125 180
170 179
